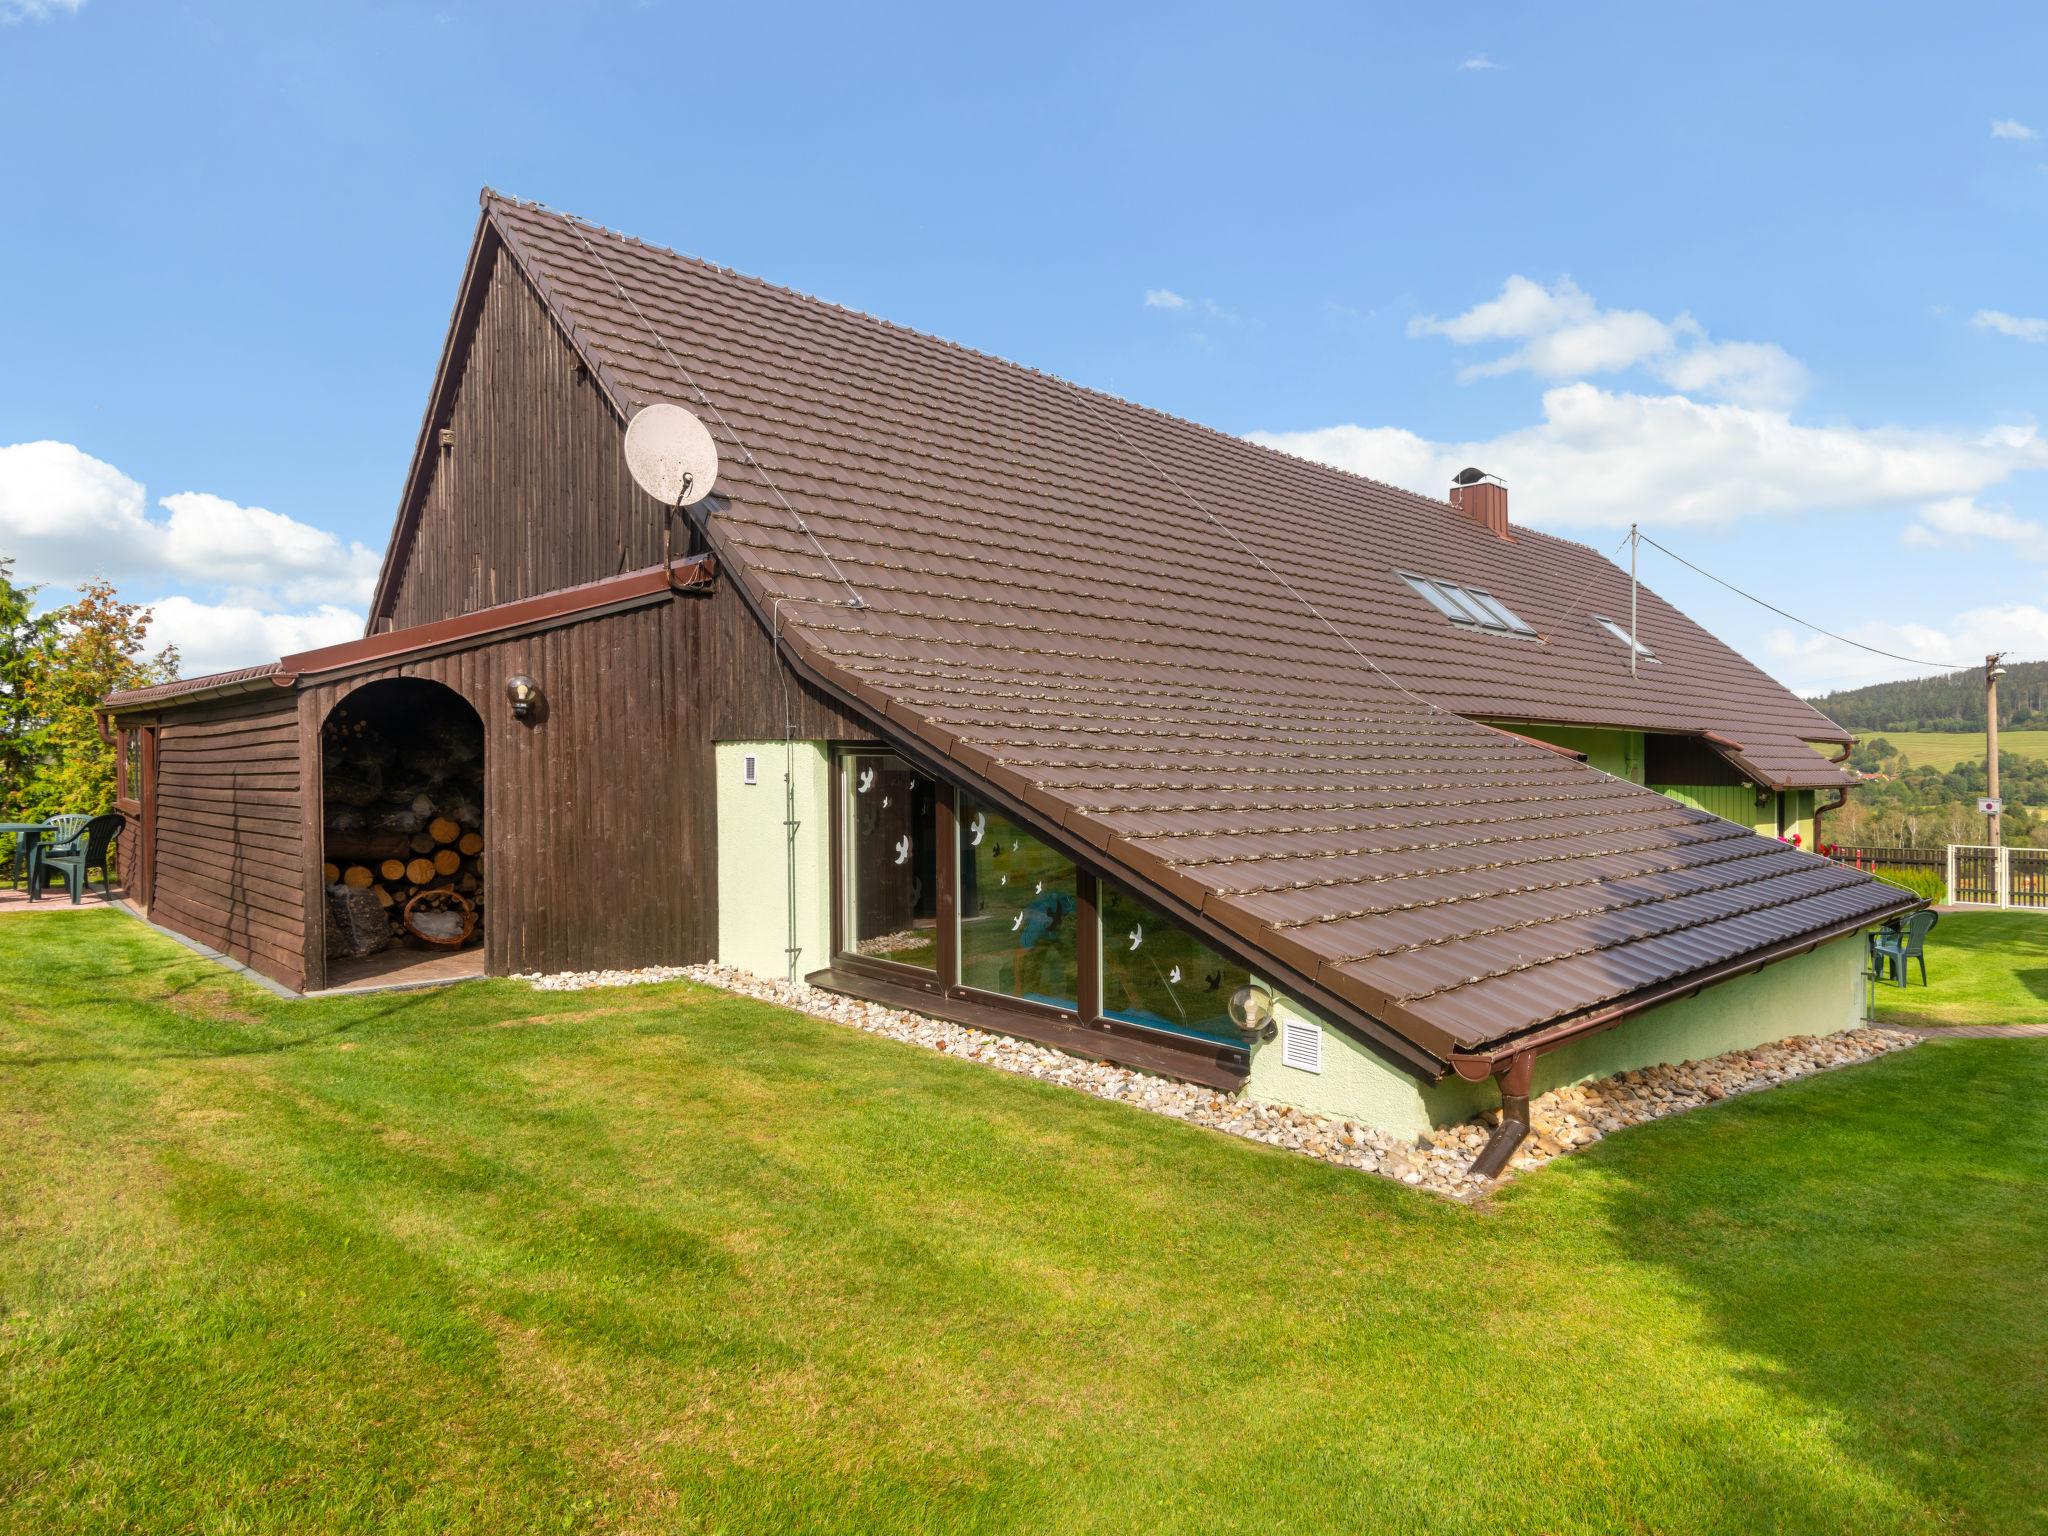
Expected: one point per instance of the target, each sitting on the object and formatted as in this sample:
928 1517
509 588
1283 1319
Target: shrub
1930 883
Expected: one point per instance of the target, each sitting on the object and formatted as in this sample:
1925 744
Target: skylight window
1625 637
1471 606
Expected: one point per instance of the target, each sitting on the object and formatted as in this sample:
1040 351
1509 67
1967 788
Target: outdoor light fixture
1251 1010
524 693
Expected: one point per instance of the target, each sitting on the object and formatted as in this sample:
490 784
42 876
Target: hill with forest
1951 702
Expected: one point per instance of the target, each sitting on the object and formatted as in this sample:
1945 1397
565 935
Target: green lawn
659 1259
1982 968
1944 749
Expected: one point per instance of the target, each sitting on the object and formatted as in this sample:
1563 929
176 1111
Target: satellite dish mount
672 457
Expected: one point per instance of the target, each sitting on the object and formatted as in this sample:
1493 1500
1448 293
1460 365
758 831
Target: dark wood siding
597 818
229 845
532 493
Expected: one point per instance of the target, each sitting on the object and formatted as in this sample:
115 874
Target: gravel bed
1561 1121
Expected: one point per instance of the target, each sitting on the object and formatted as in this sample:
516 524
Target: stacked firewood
404 816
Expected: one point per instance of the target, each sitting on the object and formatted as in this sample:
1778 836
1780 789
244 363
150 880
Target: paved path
1977 1031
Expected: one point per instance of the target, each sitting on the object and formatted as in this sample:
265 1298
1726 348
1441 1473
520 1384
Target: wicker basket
439 900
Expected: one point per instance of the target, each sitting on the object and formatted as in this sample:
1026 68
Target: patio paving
54 900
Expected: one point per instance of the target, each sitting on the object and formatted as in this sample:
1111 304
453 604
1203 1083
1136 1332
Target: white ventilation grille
1301 1046
750 769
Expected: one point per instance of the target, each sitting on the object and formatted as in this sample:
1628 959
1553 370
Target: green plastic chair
62 828
1894 946
72 852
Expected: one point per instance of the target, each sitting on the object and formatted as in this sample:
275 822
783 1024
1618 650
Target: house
970 690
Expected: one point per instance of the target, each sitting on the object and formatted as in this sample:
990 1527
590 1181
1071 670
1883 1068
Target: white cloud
267 583
1164 298
1479 62
36 10
2012 128
1759 373
1564 334
214 637
66 516
1959 519
1810 664
2025 327
1604 457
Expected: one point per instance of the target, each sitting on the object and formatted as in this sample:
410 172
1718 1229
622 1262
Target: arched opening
402 808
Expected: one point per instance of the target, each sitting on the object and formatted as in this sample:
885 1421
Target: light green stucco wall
753 857
1731 802
1617 752
1817 993
1355 1083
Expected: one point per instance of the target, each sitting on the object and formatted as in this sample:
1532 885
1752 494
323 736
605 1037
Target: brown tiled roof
180 688
1044 603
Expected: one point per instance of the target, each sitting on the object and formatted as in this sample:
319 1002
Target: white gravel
1561 1121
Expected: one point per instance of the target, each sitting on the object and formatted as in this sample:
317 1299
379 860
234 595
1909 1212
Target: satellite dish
671 454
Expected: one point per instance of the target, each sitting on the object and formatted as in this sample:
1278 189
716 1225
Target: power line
746 453
1258 559
1915 661
1587 585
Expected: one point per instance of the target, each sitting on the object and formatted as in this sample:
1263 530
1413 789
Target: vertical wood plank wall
600 821
595 854
228 852
533 493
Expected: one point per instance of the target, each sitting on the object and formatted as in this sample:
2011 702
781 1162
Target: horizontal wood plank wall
532 494
229 850
594 845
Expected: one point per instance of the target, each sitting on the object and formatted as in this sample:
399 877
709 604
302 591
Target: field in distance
1942 750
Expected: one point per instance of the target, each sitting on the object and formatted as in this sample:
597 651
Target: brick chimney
1483 498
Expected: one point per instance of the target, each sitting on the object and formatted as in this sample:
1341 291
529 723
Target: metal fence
2007 878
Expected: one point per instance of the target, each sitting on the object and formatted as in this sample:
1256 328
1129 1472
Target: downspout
1513 1073
1833 805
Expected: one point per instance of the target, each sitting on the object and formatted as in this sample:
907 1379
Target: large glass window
1019 912
891 868
1157 974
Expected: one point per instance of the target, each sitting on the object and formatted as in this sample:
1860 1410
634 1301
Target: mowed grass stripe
663 1259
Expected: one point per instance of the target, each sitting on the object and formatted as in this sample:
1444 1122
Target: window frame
944 875
1466 606
944 980
1620 633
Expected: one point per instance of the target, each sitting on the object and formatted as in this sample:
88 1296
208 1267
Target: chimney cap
1476 477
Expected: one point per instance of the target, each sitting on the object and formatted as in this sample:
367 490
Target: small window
1625 637
1474 606
1499 610
750 769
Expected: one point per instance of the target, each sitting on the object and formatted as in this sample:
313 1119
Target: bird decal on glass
867 781
976 830
903 849
885 802
1016 922
1212 982
1038 889
1137 935
1173 977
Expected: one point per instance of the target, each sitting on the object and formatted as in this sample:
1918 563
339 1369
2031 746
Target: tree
22 632
91 648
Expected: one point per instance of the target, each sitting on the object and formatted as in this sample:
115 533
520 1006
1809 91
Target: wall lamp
524 693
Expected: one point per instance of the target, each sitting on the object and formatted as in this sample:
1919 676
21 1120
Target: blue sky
1768 279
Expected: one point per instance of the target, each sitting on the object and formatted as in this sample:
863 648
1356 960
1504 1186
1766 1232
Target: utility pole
1992 673
1635 646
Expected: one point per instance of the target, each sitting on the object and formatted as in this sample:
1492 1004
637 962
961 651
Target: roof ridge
489 196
